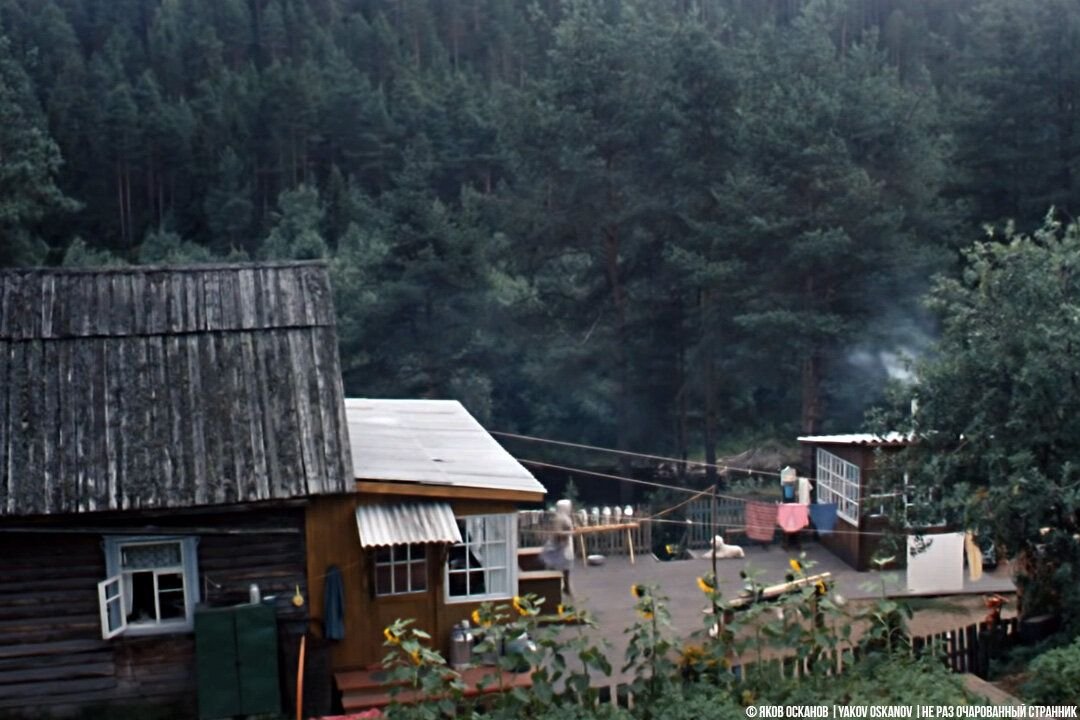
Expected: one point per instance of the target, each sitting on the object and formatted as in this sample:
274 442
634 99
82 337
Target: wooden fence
535 528
970 649
729 520
966 649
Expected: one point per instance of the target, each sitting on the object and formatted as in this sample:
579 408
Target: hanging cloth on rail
974 556
792 517
823 516
760 518
334 605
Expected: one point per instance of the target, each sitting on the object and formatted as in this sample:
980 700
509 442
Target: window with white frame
482 566
400 569
838 482
152 585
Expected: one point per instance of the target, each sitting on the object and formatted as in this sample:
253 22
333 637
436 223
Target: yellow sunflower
518 606
637 591
390 636
560 610
415 655
647 614
705 585
795 565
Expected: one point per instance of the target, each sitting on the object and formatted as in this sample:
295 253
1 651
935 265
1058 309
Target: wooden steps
529 558
362 689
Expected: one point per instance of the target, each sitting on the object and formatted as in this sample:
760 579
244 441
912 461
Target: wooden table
584 530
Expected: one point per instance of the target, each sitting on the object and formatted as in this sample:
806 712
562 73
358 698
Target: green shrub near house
1055 677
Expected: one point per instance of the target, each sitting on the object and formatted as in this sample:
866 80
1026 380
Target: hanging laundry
334 604
974 556
823 516
937 565
804 490
760 520
792 517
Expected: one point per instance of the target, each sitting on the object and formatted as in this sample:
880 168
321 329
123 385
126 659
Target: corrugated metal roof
406 523
434 442
893 438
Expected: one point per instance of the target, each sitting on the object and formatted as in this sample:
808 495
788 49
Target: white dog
723 551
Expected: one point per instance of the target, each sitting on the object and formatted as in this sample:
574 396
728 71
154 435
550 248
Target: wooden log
774 591
50 649
53 672
42 690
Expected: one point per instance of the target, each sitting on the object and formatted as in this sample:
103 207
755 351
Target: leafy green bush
1055 677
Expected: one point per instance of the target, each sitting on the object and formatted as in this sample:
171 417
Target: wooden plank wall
332 539
151 388
52 657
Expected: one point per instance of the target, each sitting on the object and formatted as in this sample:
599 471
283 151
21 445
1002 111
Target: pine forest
678 225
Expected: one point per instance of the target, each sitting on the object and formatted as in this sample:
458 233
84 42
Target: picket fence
967 649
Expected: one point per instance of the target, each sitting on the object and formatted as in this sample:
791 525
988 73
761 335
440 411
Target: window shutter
111 605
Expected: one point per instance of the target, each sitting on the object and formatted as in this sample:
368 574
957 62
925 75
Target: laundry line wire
740 526
695 495
628 453
609 476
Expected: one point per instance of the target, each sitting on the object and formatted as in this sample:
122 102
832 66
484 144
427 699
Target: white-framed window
400 569
483 566
152 585
838 482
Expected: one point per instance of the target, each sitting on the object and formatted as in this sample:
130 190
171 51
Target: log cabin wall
332 539
52 657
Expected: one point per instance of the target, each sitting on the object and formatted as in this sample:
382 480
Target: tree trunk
709 387
622 405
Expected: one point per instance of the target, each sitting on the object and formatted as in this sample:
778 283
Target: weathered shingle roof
168 387
432 442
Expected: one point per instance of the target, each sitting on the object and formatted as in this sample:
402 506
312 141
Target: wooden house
842 472
176 440
430 531
161 433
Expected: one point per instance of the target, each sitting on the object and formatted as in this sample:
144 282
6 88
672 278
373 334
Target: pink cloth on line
760 520
793 517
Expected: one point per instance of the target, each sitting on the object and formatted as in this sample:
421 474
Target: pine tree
29 163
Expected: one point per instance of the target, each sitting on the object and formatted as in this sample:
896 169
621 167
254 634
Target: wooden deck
362 689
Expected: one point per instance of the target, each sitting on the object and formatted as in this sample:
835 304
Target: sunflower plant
412 665
649 651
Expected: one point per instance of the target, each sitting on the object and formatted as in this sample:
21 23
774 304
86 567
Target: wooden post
630 544
300 679
712 533
581 541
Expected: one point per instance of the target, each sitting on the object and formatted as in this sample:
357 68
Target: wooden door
421 606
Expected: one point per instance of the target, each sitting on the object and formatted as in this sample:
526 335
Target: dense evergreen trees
639 222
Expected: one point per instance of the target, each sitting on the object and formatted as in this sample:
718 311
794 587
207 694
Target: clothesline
792 517
740 526
628 453
636 481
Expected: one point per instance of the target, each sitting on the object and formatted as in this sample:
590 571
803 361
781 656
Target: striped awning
405 523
